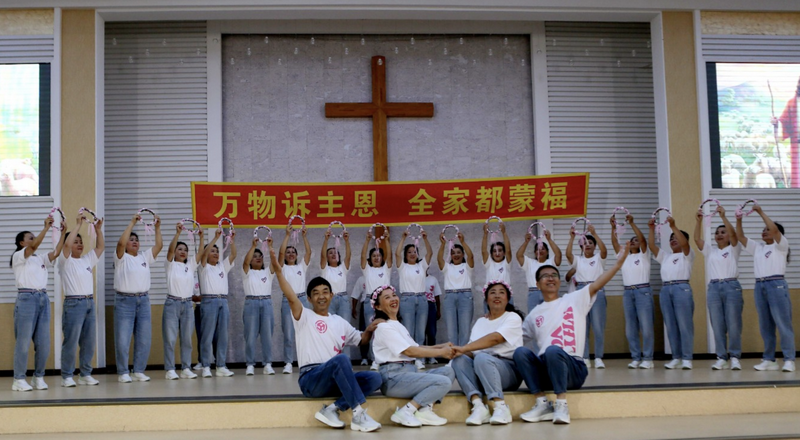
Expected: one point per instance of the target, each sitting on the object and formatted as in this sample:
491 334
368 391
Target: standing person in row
433 294
497 267
531 265
413 304
773 303
588 266
178 316
295 271
377 272
32 308
335 271
132 301
724 294
258 316
676 299
637 299
458 305
214 268
78 317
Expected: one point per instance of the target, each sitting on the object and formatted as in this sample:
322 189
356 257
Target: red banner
391 203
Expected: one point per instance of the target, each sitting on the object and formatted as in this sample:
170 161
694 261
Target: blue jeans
486 373
78 325
403 381
677 307
414 313
288 328
178 318
335 378
534 298
638 307
340 305
430 328
554 370
259 320
596 319
458 310
725 304
132 319
215 317
31 321
774 308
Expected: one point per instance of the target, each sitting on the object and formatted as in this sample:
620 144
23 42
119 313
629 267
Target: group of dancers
487 356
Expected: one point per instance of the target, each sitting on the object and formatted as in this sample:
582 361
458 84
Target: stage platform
252 402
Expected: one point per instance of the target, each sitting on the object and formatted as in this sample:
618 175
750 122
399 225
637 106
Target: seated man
558 325
324 370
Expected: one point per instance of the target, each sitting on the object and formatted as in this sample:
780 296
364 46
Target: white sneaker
561 413
124 378
419 364
766 365
673 364
20 385
140 377
88 380
404 417
543 410
502 414
374 366
224 372
268 370
686 365
735 364
188 374
720 364
634 365
598 364
364 423
287 369
788 367
68 382
479 415
588 363
38 383
206 371
197 367
329 415
364 362
646 365
427 417
432 361
251 370
171 375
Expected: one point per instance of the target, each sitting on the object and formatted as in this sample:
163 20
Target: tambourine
493 232
337 237
418 236
295 233
57 224
620 230
229 237
141 218
740 212
583 233
659 224
262 241
195 226
707 217
539 238
93 221
450 241
382 237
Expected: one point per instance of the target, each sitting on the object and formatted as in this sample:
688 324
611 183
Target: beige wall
750 23
26 22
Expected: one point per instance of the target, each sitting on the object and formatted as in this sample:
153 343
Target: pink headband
493 282
376 292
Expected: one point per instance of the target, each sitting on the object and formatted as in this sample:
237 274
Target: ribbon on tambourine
295 233
620 229
492 232
378 239
660 224
539 238
740 209
93 221
263 241
707 217
57 225
337 237
584 232
450 241
228 239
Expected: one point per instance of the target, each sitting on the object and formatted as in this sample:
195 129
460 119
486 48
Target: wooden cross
379 110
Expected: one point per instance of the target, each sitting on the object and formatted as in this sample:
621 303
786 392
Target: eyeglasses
549 276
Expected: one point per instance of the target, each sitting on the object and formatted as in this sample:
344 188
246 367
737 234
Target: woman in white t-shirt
531 265
486 363
294 270
259 318
32 308
724 294
413 303
588 266
214 269
377 272
458 305
773 303
335 270
178 316
496 258
395 352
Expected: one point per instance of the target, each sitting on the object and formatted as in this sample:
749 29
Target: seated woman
487 363
395 351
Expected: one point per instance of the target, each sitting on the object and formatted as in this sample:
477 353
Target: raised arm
638 232
440 255
249 255
771 227
614 239
174 243
484 243
159 241
600 244
399 251
126 235
294 303
323 254
467 250
204 253
728 227
347 252
570 257
682 241
37 241
100 247
522 248
364 250
698 230
740 232
73 234
284 243
428 249
553 247
387 248
651 237
232 256
506 242
52 255
607 275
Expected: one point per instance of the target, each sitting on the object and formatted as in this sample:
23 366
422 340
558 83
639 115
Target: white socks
409 408
357 411
542 400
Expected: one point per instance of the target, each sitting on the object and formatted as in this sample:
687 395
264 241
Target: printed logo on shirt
264 280
222 275
591 263
725 255
417 271
461 271
675 260
144 264
340 273
500 270
185 270
765 255
380 275
299 273
539 320
337 350
89 269
43 266
637 262
564 335
321 326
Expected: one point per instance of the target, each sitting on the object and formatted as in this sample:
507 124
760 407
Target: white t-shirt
432 290
213 279
636 268
587 270
180 277
295 274
412 276
509 325
457 276
132 274
497 271
337 276
375 277
561 322
76 274
30 273
320 338
675 267
391 339
258 282
531 266
359 290
768 259
722 263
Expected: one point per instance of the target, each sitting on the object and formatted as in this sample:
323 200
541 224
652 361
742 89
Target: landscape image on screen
19 130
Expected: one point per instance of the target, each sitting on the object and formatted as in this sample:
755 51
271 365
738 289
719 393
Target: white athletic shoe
38 383
419 364
766 365
735 364
21 385
287 369
588 363
561 413
140 377
224 372
673 364
404 417
251 370
788 367
68 382
124 378
364 362
171 375
720 364
634 365
374 366
427 417
207 372
88 380
364 423
598 364
329 415
188 374
543 410
197 367
686 364
646 365
479 415
502 414
268 370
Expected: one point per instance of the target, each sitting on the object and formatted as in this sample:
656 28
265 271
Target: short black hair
315 282
539 270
